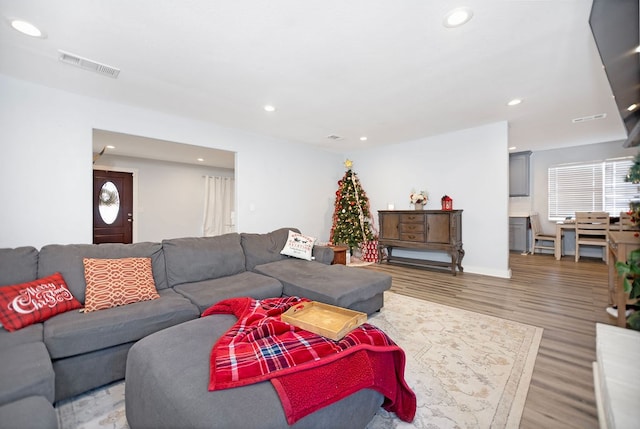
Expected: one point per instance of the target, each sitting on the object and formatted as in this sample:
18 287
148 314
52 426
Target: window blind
592 186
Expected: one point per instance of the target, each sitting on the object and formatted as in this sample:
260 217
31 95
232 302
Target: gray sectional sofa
73 352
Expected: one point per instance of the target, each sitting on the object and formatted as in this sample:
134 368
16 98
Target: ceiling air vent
87 64
334 137
589 118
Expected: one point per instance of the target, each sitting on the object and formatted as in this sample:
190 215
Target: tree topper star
348 164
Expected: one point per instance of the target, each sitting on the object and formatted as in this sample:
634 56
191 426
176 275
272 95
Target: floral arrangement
418 197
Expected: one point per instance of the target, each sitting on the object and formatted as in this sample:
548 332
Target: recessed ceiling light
363 138
633 107
27 28
269 108
512 148
110 146
457 17
514 102
200 159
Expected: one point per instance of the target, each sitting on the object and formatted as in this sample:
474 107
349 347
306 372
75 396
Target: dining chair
539 238
592 229
627 223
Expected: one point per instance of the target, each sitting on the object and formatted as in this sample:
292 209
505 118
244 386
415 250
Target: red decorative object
32 302
369 251
447 203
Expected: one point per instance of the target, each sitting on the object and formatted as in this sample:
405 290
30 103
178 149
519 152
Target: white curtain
218 206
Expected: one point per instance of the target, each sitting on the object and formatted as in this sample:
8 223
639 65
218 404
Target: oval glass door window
109 203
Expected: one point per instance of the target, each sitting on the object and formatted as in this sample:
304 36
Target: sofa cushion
114 282
74 332
208 292
298 246
194 259
27 303
28 413
28 334
18 265
67 259
25 371
332 284
264 248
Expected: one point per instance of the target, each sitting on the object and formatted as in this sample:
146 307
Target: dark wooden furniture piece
339 255
432 230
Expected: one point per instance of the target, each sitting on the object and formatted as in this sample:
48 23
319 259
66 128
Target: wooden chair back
592 224
536 229
626 222
592 229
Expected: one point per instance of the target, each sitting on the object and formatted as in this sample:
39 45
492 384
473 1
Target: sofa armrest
323 254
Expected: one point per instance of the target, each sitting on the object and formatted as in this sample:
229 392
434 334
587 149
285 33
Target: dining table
571 226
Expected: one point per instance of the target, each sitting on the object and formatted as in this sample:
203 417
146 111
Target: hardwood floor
563 297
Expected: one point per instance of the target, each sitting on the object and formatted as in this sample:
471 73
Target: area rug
355 261
468 370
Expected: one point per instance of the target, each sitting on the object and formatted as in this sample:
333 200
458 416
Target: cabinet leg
460 256
454 262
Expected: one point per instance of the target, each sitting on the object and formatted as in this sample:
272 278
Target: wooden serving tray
324 319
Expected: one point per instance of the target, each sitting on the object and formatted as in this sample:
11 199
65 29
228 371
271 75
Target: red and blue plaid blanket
260 346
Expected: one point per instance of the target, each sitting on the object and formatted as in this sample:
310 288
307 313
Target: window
593 186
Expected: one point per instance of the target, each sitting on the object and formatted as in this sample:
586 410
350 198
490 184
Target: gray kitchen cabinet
518 234
519 174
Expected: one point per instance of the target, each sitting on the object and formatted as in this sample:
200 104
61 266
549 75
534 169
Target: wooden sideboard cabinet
433 230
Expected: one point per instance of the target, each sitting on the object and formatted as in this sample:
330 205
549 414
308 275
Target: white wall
471 166
45 172
45 166
170 196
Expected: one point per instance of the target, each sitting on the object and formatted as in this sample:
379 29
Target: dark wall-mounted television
615 25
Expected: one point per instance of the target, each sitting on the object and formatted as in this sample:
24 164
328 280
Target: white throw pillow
298 246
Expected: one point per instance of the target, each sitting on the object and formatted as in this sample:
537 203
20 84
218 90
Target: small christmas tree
351 216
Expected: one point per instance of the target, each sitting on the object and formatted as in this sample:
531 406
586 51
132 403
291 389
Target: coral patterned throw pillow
115 282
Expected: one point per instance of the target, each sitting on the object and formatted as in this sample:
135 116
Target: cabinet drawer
412 227
412 218
418 237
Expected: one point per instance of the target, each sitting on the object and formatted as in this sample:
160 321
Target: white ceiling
388 70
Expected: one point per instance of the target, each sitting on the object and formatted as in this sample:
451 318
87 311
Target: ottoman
166 384
354 288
